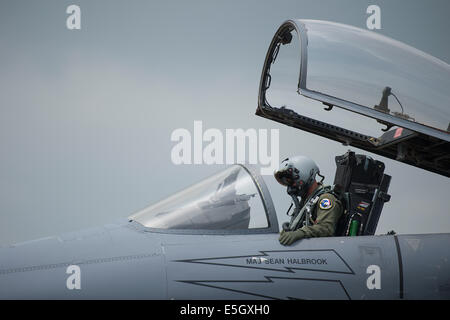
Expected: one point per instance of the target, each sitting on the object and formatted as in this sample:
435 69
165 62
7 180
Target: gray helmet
297 172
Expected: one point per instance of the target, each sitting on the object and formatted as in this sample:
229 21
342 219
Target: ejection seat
362 187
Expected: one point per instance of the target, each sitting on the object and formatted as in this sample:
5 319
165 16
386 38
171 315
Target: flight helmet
297 173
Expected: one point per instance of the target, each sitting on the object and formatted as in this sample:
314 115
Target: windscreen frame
267 203
302 34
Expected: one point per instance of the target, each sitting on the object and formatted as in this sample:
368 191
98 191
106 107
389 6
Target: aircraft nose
107 263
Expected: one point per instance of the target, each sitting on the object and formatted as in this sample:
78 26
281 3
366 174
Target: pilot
319 210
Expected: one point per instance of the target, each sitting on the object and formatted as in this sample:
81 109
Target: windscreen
374 71
228 200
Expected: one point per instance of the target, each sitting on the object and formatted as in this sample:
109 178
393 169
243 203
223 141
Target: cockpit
235 200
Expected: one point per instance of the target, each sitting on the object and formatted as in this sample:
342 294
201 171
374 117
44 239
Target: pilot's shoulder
328 201
327 195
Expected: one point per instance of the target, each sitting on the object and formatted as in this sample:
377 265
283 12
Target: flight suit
326 214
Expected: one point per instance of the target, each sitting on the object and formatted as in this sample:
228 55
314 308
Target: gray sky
86 115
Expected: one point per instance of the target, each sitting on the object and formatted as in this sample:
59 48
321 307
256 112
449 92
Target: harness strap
305 213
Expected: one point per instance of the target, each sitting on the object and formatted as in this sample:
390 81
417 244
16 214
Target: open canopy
368 74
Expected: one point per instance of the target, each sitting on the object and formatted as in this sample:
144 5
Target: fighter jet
218 239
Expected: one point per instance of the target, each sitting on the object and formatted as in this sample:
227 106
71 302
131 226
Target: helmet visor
285 177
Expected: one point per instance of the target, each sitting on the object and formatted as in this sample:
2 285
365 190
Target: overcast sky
86 115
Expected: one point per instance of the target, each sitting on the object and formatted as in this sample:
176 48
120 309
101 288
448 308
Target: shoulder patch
326 203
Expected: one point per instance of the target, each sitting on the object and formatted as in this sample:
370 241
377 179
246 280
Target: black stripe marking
400 265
